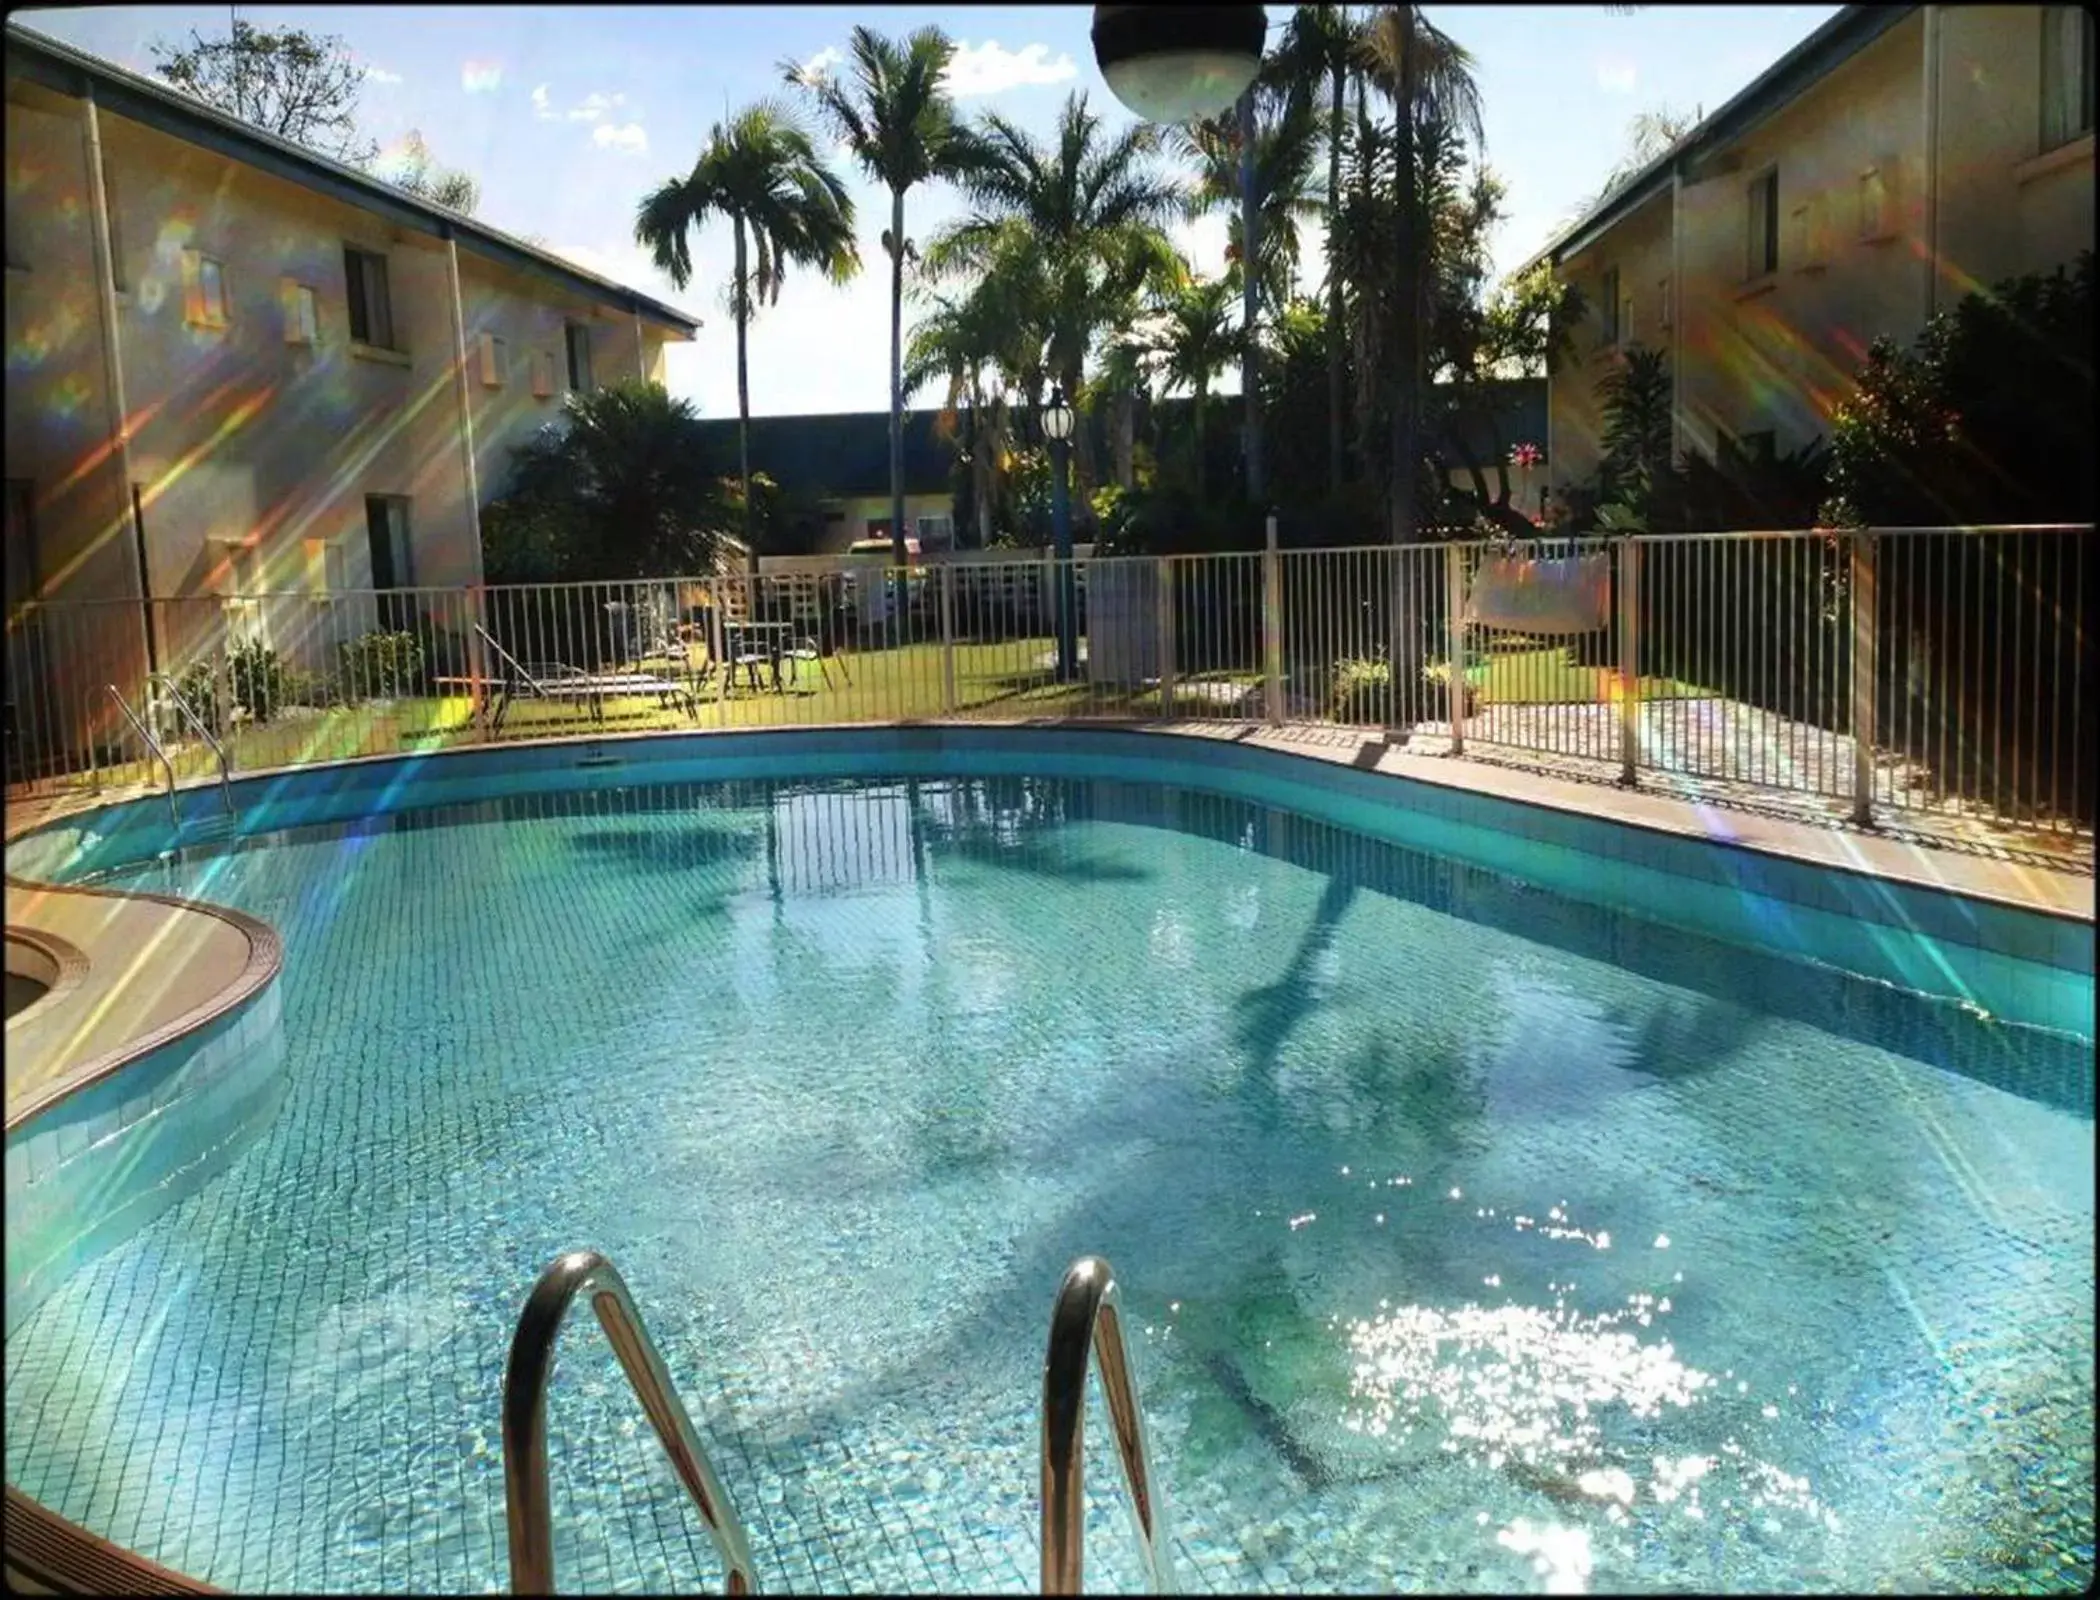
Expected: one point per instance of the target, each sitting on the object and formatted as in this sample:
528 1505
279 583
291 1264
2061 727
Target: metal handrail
526 1495
190 716
153 744
1087 1319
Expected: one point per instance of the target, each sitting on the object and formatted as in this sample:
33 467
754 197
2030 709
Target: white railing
1918 673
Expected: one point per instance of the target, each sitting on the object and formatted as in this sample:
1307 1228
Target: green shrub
259 680
1362 687
382 665
198 689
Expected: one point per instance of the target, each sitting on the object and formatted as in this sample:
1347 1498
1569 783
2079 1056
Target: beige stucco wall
238 435
1640 248
1780 352
863 511
2002 211
245 448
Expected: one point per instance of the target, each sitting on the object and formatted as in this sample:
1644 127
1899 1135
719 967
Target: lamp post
1057 428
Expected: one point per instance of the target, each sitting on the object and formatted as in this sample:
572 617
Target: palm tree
1327 42
1195 341
1260 161
785 207
968 342
1082 217
898 122
1429 77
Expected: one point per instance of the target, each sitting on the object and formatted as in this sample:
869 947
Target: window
578 338
543 373
239 587
1662 303
492 354
204 290
324 565
371 307
386 535
1608 305
302 313
936 533
2067 74
118 280
1761 255
1877 208
25 574
1808 245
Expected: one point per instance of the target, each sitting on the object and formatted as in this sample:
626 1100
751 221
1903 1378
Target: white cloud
991 69
628 138
381 75
594 106
540 106
1617 76
820 64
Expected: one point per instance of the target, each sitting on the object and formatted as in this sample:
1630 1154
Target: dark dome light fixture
1176 63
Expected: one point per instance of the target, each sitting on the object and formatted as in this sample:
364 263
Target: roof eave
66 71
1815 57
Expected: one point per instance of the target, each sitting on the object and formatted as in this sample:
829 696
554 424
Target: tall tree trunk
1202 405
1334 285
981 468
1368 296
1126 438
897 551
1250 298
1407 340
742 291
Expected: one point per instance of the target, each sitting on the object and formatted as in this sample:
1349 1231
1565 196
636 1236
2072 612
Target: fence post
1864 672
477 664
1272 625
1629 660
947 639
1455 651
1163 607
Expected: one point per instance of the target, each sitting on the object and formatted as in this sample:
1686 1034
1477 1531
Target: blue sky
568 115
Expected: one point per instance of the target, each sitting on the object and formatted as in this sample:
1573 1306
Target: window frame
1609 302
302 313
380 332
1761 206
491 352
196 312
570 328
2062 80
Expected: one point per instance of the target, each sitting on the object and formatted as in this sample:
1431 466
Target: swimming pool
1477 1237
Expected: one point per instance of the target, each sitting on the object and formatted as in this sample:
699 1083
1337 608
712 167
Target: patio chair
807 648
559 681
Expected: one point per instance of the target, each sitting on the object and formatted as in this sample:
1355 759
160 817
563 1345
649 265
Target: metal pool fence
1905 672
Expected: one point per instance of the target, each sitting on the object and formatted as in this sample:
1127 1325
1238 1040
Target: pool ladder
188 713
1085 1325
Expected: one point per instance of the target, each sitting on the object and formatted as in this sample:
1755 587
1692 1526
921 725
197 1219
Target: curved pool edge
67 1557
264 959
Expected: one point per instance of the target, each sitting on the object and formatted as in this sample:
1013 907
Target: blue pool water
1475 1238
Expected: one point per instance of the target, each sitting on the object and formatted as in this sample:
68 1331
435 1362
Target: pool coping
63 954
264 961
65 1555
1864 852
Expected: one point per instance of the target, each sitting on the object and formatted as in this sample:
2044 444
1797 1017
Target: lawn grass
996 680
1552 676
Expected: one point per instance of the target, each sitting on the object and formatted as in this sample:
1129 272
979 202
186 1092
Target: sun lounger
559 681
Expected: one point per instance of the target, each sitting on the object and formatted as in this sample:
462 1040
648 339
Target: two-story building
1895 160
236 366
